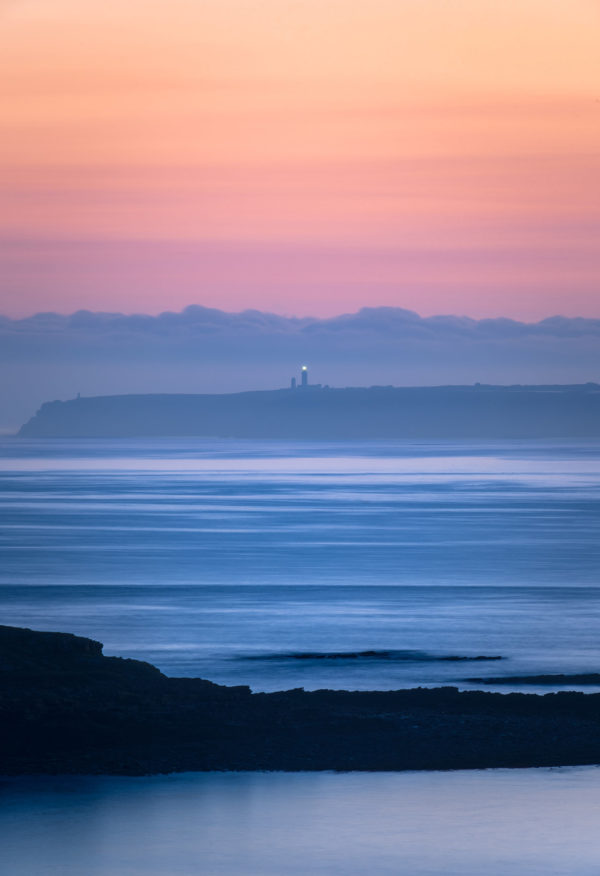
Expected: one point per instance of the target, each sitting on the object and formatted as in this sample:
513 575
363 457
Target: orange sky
302 156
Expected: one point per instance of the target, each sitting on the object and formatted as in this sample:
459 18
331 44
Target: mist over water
287 564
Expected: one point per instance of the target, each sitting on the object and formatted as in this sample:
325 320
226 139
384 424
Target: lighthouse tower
304 373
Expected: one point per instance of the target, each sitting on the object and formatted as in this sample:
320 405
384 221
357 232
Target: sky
300 156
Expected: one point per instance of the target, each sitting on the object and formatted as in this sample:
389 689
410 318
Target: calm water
497 823
228 559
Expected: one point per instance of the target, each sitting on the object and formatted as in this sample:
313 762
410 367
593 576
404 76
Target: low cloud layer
50 355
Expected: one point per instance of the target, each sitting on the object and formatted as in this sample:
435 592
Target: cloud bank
201 349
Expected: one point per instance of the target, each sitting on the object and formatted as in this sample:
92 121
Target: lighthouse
304 372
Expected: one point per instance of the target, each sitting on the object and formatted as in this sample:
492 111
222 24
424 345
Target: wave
391 655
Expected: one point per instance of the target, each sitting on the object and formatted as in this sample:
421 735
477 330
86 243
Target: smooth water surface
498 823
232 559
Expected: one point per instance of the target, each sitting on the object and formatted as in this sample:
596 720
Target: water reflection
501 823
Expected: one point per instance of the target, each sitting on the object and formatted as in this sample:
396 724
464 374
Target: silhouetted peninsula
68 709
445 412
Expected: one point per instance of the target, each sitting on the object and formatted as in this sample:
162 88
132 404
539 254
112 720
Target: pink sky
300 157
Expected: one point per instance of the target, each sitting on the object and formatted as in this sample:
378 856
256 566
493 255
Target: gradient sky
300 156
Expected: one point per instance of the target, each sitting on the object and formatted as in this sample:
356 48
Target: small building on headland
304 384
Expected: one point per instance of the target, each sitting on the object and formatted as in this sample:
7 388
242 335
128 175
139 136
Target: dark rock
578 679
65 708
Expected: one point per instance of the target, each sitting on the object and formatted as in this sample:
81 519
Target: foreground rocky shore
65 708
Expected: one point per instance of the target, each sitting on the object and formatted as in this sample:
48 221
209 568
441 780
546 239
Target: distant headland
307 411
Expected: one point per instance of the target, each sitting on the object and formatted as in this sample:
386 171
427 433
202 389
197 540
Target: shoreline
68 709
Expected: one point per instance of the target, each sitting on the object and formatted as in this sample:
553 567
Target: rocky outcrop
65 708
577 679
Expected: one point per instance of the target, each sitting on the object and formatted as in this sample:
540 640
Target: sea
285 564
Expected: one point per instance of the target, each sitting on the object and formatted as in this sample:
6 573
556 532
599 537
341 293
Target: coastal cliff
65 708
445 412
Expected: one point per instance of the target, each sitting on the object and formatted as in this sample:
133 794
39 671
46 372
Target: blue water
229 559
497 823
